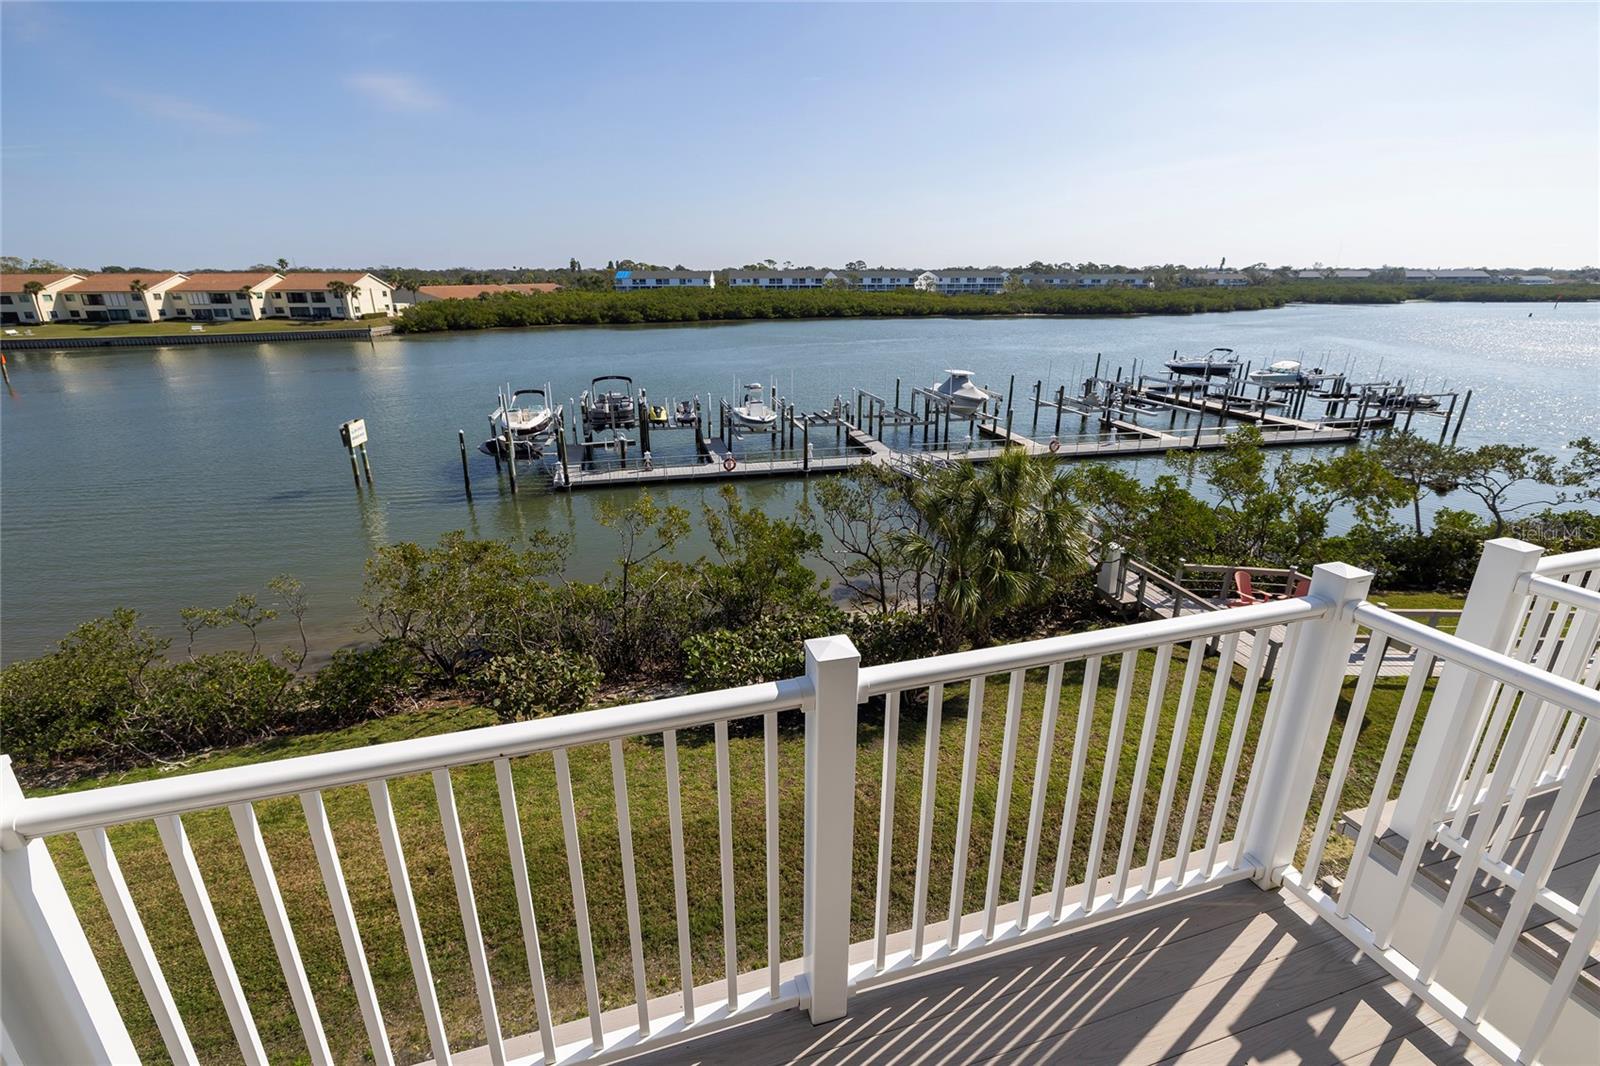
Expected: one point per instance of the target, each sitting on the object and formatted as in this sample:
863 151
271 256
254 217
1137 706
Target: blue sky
197 134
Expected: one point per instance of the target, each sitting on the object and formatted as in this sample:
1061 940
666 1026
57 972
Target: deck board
1237 974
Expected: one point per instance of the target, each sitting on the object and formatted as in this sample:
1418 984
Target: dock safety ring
1055 445
728 464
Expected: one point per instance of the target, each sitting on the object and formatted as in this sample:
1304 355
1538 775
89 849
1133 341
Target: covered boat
1285 373
959 391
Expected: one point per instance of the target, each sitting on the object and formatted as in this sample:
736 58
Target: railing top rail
116 804
960 666
1219 568
1568 563
1508 671
1564 592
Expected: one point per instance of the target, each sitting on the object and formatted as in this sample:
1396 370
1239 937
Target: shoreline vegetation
579 307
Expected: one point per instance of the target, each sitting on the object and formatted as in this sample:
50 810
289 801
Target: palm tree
138 287
283 264
996 539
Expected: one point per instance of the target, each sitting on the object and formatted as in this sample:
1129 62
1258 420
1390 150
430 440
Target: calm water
158 478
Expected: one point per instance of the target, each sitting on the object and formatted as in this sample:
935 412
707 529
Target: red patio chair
1246 591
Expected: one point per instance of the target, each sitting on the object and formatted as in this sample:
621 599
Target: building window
319 298
297 298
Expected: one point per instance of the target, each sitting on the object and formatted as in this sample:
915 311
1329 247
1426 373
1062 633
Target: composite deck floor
1236 975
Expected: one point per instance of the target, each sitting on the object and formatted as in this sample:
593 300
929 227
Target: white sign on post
354 433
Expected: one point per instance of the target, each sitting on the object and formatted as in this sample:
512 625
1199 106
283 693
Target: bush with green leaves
769 649
360 683
538 684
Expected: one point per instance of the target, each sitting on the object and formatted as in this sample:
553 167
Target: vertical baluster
1576 644
530 924
1472 781
680 887
1399 741
1002 803
176 842
630 887
1069 809
1108 780
136 944
1269 724
1563 811
1141 769
1202 765
1236 738
1572 963
1175 750
891 754
444 793
930 777
1376 645
580 898
730 936
394 859
774 951
259 863
1041 783
969 781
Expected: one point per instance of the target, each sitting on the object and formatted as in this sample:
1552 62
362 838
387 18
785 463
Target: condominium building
329 294
883 280
1469 277
29 299
1333 275
232 295
1227 279
1074 280
962 282
116 297
809 278
655 280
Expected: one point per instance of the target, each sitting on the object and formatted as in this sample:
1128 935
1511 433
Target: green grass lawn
283 826
167 327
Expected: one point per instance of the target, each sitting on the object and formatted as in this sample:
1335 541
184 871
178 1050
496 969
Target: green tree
761 565
994 540
1422 466
869 516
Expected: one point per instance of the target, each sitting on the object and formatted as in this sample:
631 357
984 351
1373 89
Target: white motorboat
1285 373
526 413
960 393
754 414
1218 362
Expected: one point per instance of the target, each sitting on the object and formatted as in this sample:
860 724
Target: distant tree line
727 304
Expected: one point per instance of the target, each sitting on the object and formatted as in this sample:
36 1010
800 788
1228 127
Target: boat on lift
1218 362
658 414
1413 402
754 414
685 415
1284 374
960 393
608 407
526 419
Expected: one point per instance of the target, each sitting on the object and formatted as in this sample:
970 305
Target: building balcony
1150 852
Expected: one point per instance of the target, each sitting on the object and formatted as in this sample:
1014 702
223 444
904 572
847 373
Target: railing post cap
837 648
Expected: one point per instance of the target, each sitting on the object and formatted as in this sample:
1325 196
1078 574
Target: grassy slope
284 828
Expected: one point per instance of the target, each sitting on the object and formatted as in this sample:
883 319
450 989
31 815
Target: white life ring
728 464
1055 445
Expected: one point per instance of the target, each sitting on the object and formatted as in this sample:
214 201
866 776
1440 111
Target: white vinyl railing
1525 722
1120 839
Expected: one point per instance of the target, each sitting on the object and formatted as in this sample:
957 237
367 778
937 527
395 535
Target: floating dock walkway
724 463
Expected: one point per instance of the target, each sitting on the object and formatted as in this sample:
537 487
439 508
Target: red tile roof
15 282
224 281
120 282
318 279
470 292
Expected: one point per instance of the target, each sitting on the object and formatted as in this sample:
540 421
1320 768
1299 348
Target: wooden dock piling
466 473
